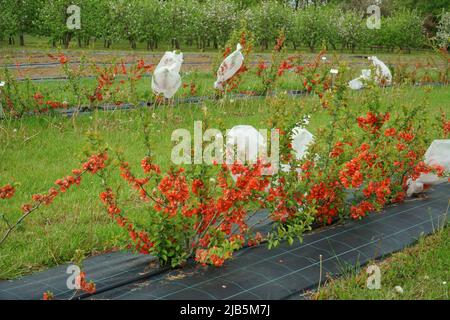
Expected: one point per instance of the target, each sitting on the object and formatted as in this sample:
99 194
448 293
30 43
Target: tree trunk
22 39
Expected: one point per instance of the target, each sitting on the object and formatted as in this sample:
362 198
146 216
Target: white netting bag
229 67
382 72
358 83
166 78
437 154
243 143
301 139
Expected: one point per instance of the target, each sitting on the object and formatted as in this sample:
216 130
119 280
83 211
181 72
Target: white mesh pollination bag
229 67
358 83
166 78
301 139
382 73
242 145
437 154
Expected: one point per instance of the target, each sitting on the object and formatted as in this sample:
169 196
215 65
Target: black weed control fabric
255 273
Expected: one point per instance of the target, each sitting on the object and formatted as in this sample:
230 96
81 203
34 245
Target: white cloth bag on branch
358 83
243 143
166 78
229 67
301 139
382 72
437 154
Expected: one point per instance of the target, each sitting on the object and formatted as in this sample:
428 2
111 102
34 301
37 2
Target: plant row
209 23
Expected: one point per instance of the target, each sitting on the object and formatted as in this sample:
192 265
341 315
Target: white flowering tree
351 29
403 30
309 27
268 19
443 32
217 20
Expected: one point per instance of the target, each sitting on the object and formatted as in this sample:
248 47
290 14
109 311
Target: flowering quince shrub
429 72
190 216
93 165
358 164
115 84
361 163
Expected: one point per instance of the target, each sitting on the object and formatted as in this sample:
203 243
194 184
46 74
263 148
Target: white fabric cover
246 140
166 78
229 67
381 71
358 83
437 154
243 142
301 138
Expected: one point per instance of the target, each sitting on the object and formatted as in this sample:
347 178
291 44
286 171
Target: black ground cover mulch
255 273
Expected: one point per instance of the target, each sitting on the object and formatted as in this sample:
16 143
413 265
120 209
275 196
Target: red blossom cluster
7 192
373 122
39 99
95 163
142 242
85 286
205 256
61 58
285 65
138 184
325 198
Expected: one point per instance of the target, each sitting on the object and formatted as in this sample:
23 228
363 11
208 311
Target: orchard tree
268 19
17 18
351 29
152 23
443 33
309 27
217 20
127 17
181 21
404 30
52 21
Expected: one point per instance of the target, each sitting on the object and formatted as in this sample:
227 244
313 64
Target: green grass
422 271
35 151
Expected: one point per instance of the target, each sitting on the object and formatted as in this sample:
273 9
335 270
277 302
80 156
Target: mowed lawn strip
422 272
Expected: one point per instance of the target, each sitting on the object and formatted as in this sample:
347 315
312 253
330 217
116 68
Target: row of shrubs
209 23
